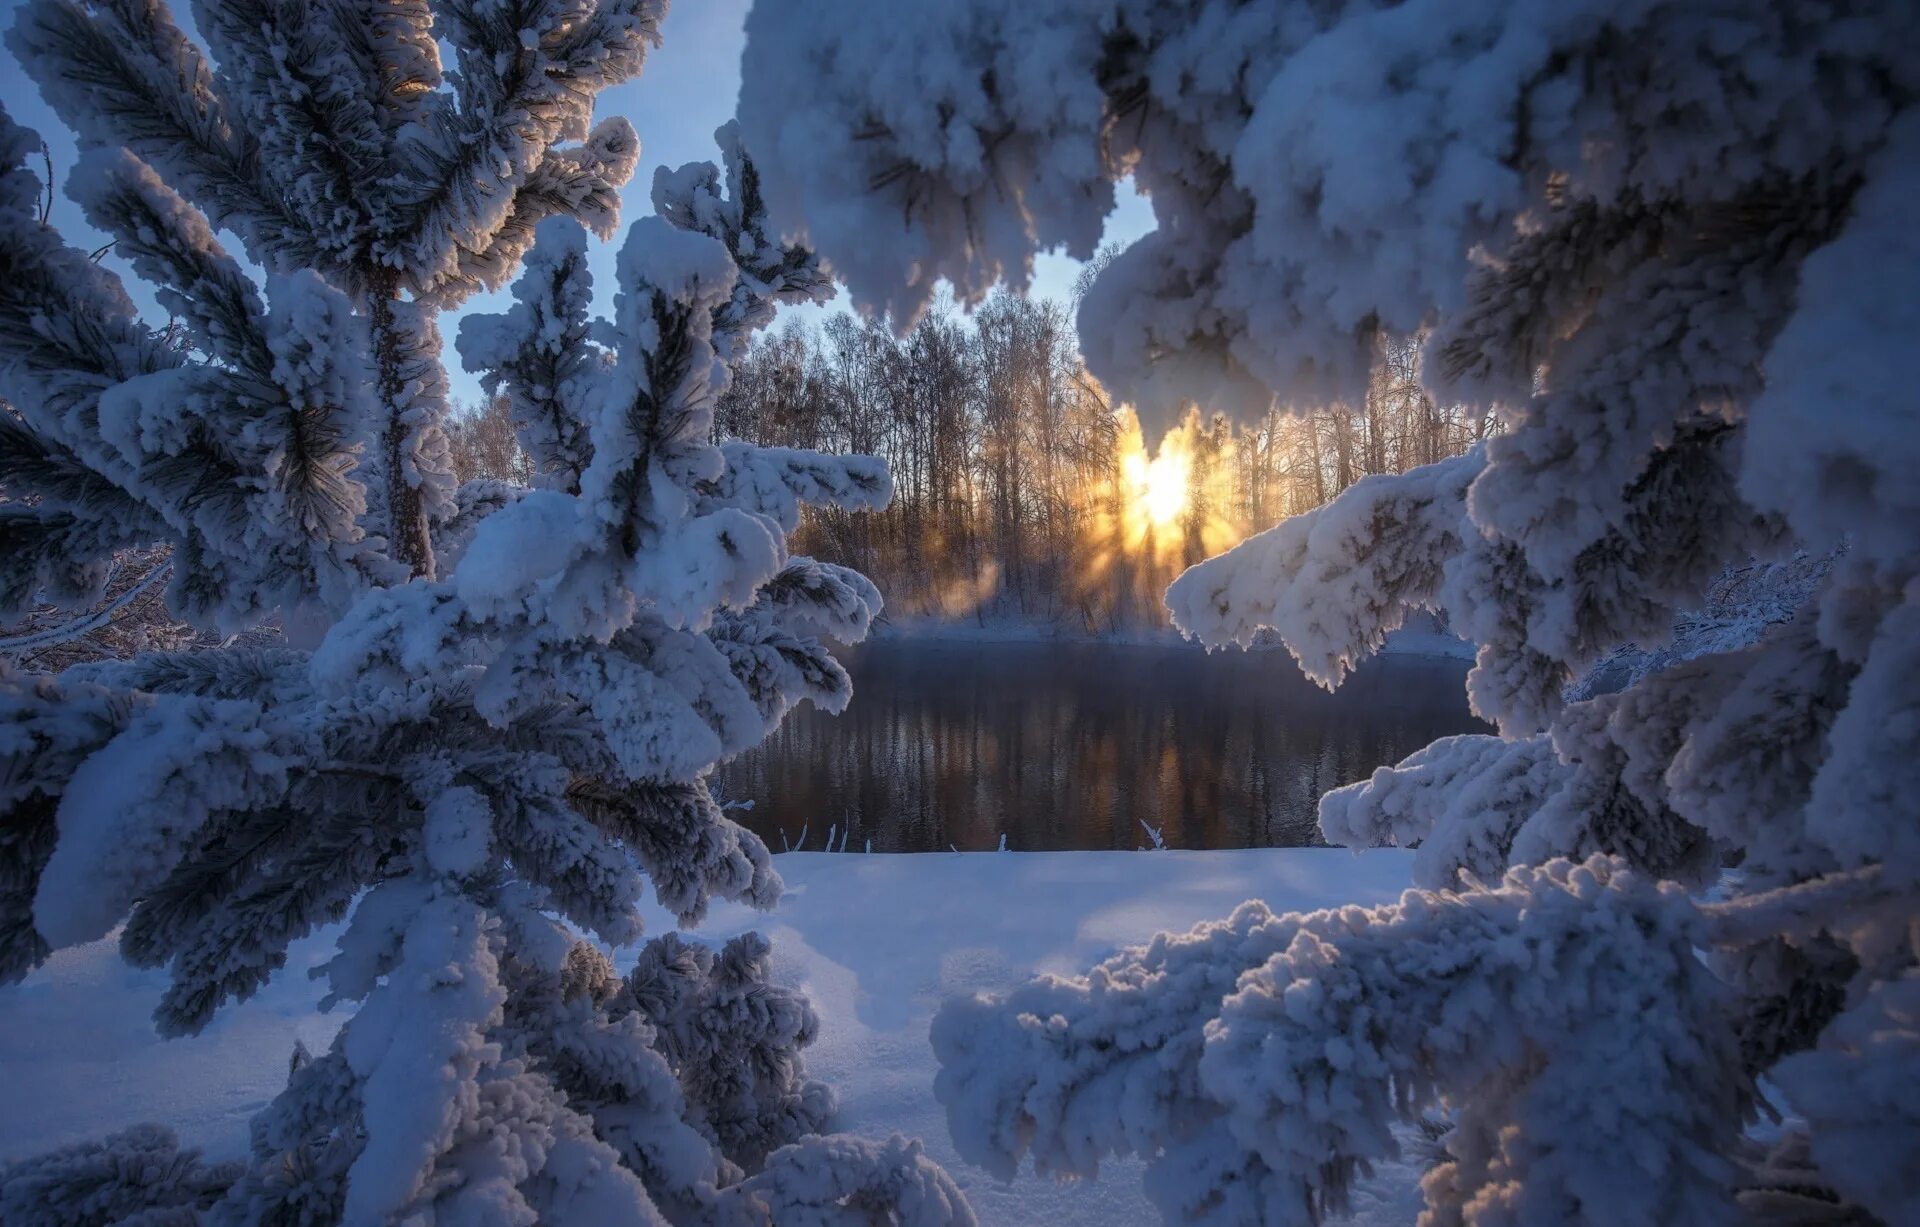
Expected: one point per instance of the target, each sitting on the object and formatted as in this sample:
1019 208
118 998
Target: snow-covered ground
877 941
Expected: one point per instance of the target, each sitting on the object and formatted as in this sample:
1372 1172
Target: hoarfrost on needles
494 718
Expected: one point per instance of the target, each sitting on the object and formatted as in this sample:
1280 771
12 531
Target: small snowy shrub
1670 243
495 714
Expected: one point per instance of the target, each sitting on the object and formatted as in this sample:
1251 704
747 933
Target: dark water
1070 746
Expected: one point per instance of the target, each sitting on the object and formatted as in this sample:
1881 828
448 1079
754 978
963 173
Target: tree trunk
409 540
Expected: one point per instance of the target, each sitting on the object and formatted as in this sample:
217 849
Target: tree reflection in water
1074 745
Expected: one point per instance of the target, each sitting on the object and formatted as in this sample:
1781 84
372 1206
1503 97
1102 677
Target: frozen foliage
373 188
139 1178
1461 801
850 1182
1857 1091
1742 602
1555 1011
540 351
732 1041
130 617
1285 147
1668 243
495 722
1337 580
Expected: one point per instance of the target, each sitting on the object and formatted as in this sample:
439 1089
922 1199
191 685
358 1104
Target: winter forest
768 684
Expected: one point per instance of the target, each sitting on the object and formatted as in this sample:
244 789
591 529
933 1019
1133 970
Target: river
953 744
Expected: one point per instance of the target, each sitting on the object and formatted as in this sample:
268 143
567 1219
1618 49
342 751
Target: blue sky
688 89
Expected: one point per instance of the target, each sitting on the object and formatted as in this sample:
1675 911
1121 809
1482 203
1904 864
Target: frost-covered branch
83 626
526 79
1334 582
1461 801
124 74
490 714
1258 1063
542 352
778 481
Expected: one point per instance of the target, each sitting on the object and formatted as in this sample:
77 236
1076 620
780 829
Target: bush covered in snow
496 718
1670 242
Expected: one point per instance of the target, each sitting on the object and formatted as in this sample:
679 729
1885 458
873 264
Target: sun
1166 494
1161 486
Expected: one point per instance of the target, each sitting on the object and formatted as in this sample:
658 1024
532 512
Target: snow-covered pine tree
497 707
1672 242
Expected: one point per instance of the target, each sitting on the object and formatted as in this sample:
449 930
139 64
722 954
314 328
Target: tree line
1023 491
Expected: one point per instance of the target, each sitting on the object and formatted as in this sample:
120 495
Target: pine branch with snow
139 1176
490 722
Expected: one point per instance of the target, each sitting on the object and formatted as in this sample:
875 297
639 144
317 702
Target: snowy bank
876 941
